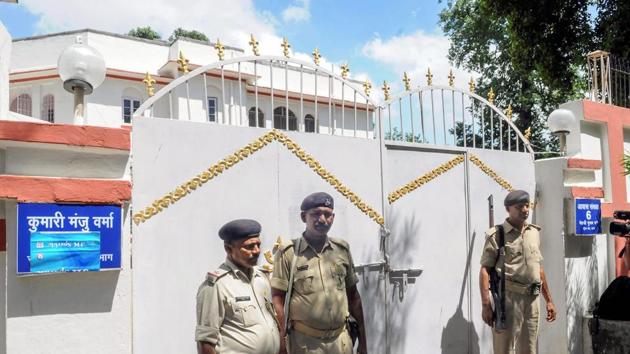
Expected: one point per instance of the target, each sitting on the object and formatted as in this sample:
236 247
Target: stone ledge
64 190
584 164
64 134
587 192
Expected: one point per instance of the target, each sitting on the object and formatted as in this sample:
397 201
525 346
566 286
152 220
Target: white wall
5 56
69 312
104 105
576 266
129 54
549 213
62 162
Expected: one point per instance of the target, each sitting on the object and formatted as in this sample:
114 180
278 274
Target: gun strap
500 251
287 300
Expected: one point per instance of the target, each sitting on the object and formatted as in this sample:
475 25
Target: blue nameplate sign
588 216
68 238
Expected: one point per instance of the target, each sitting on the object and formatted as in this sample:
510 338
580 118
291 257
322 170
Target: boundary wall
437 222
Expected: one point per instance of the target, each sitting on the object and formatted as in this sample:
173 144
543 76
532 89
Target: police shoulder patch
535 226
266 268
214 276
340 242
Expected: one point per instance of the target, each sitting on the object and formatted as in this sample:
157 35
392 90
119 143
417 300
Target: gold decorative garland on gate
490 172
213 171
424 179
433 174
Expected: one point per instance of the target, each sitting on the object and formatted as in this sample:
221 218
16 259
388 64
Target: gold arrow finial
471 85
345 69
451 78
148 82
316 56
254 44
407 81
528 133
285 47
491 96
367 86
429 77
508 112
385 90
220 49
183 63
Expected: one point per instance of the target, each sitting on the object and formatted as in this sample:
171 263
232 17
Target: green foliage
144 32
192 34
611 29
532 53
396 134
625 162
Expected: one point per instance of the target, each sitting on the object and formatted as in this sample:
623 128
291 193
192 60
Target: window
22 105
280 119
48 108
212 109
309 124
252 118
129 106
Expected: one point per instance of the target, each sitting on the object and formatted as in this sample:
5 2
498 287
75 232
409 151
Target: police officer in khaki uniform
234 310
523 274
324 288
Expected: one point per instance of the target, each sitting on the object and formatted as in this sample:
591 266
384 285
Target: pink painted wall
616 119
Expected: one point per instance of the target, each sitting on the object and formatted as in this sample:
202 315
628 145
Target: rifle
497 283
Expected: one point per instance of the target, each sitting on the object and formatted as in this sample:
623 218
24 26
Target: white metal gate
408 191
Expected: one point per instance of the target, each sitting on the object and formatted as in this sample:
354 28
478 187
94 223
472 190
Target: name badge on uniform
242 298
301 268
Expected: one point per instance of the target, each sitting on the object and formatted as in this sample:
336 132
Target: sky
379 40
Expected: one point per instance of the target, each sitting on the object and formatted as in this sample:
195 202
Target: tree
611 29
144 32
531 53
193 34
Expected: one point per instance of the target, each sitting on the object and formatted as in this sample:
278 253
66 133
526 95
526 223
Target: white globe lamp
560 123
82 69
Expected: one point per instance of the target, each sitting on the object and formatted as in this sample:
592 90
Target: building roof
124 36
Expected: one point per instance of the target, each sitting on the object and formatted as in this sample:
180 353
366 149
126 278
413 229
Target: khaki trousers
301 344
522 315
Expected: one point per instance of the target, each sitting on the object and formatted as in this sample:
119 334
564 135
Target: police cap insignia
239 229
317 200
516 197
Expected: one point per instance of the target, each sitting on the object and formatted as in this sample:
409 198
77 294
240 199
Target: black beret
318 199
239 229
516 197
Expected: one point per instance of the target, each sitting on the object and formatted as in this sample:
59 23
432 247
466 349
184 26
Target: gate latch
402 277
363 269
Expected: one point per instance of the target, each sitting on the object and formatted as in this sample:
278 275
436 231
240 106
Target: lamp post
560 123
82 69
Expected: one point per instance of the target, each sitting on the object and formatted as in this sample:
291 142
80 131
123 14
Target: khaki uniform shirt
235 313
522 253
320 281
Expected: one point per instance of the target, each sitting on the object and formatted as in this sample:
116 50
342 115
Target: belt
317 333
533 289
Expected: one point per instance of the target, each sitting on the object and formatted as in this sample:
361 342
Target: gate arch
460 125
339 105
